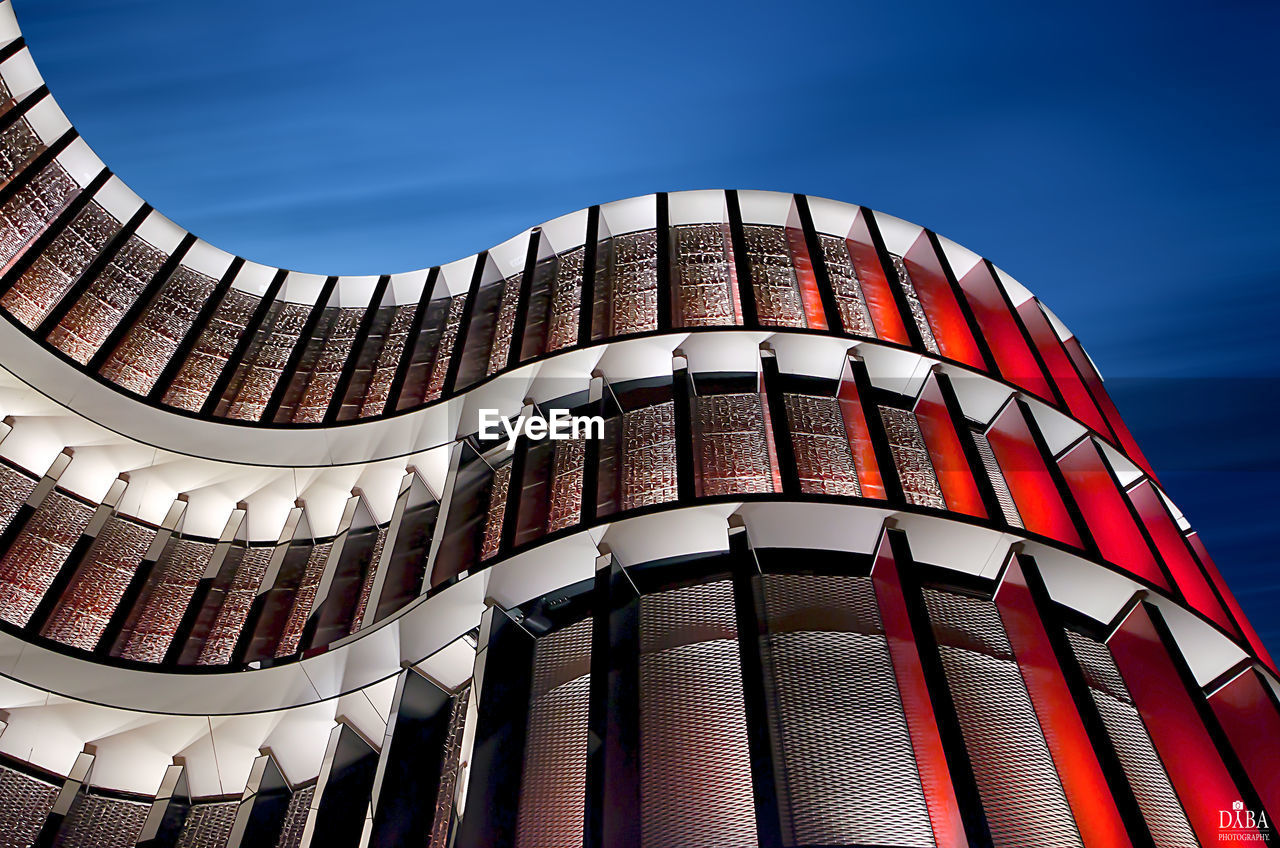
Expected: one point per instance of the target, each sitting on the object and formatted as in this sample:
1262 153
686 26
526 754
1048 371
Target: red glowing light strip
949 462
875 286
1028 478
1013 356
950 328
815 316
1099 391
1078 399
1248 714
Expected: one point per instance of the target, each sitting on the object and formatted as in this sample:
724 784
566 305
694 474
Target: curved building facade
857 550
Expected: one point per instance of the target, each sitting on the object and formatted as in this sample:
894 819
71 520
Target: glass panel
500 352
376 364
732 449
312 385
648 456
255 379
160 609
823 458
213 349
706 290
946 452
38 554
232 603
19 144
1039 503
1003 335
626 285
854 316
291 635
950 327
773 277
32 209
429 362
915 469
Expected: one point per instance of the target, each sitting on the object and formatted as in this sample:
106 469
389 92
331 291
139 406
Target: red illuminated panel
1107 514
855 425
1195 768
1073 391
1027 476
1085 786
949 462
815 317
1099 392
1177 556
950 328
875 286
1013 355
922 724
1251 635
1251 719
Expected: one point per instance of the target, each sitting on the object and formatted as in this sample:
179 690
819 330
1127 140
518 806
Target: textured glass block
626 285
390 348
824 459
996 476
496 511
554 787
1021 794
19 144
918 315
695 763
773 277
732 450
566 301
86 326
208 825
439 836
94 593
911 458
38 554
295 817
221 641
366 586
505 324
291 635
47 280
706 291
25 803
256 376
312 385
15 488
32 209
444 351
566 484
1141 763
209 357
96 821
843 753
165 602
648 456
854 315
142 355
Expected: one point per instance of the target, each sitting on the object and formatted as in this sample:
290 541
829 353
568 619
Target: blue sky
1120 159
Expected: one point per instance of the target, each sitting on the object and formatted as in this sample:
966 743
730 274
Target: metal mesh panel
996 476
1155 794
87 325
212 351
842 748
439 837
627 285
732 448
141 356
773 278
824 459
99 822
649 455
303 598
221 641
175 579
908 289
52 273
554 785
505 324
911 458
264 363
86 607
208 825
15 488
384 370
1021 794
25 803
705 295
695 766
316 378
567 468
295 817
38 554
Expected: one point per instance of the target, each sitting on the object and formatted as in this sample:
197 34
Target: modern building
863 554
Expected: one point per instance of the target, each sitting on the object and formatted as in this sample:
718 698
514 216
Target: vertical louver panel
38 554
567 468
854 316
305 596
212 352
444 801
444 350
918 317
648 455
566 301
1150 783
25 803
32 209
1021 794
846 768
706 294
773 277
695 781
96 821
162 606
732 447
208 825
15 487
496 511
295 817
313 383
256 376
92 596
626 285
505 324
235 605
19 144
376 363
554 782
824 460
996 476
911 456
366 587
